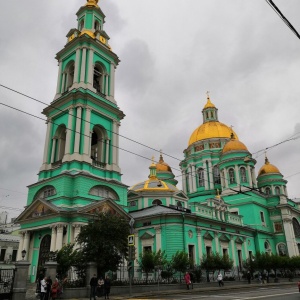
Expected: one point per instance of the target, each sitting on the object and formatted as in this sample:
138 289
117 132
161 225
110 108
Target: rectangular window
240 259
208 250
14 255
262 217
225 252
278 227
2 254
191 254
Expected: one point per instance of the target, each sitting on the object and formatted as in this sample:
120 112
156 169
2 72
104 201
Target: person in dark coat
192 279
93 284
107 285
249 277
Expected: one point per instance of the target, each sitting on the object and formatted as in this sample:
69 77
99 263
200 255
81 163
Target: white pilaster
205 178
233 250
53 149
63 82
217 242
26 244
76 68
21 244
194 178
87 141
250 176
91 67
69 131
59 237
183 181
211 177
107 152
237 175
199 240
53 239
158 238
77 229
112 80
58 87
190 179
83 65
46 147
78 130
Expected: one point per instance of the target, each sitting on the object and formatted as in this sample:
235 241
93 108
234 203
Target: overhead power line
283 18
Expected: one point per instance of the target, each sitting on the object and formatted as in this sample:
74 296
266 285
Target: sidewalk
201 287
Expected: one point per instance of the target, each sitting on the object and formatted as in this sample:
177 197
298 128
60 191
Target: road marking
268 296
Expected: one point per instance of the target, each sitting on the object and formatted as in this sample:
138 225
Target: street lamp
23 254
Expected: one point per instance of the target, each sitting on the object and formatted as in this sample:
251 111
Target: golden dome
88 32
154 185
161 166
209 104
268 168
234 145
212 129
92 3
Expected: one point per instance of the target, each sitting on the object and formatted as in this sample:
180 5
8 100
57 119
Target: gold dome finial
218 194
209 104
92 3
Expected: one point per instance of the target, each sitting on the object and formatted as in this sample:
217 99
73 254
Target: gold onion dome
268 168
162 166
211 128
92 3
234 145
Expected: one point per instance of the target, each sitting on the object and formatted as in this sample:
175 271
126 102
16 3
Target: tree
104 241
65 258
148 260
180 262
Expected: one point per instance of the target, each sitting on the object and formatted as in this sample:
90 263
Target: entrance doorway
44 254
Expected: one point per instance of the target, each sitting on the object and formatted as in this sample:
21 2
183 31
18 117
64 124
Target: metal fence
6 283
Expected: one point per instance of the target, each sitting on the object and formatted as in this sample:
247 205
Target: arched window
68 78
296 227
45 192
243 174
97 25
216 173
282 249
60 143
81 25
268 191
231 176
267 247
277 190
156 202
103 192
201 177
99 146
98 80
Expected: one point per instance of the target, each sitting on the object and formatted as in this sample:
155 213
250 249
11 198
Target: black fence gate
6 283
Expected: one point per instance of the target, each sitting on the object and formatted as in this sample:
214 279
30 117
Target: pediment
208 236
104 206
147 235
38 209
239 240
224 238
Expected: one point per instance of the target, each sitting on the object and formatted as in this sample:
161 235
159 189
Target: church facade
222 207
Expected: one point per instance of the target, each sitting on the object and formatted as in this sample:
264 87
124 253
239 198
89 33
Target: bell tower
82 136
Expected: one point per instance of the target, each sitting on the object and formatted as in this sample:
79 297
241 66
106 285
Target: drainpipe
183 231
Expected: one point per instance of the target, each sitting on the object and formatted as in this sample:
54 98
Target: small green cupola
270 180
209 112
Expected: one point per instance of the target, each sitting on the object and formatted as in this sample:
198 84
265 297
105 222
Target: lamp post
23 254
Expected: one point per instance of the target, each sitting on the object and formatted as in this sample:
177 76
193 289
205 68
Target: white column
59 237
205 178
114 143
211 177
253 177
237 175
87 141
21 244
194 178
69 130
250 176
107 152
77 229
246 249
199 239
63 82
158 238
226 178
190 179
26 244
53 149
58 90
217 242
83 65
233 251
106 84
46 147
112 80
102 154
53 239
222 179
183 181
289 236
91 67
78 128
76 69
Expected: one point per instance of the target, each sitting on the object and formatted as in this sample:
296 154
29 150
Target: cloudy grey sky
172 52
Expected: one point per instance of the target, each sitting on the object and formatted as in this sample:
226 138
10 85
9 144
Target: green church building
222 207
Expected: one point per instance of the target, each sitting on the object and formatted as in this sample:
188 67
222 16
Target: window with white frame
231 176
243 175
201 181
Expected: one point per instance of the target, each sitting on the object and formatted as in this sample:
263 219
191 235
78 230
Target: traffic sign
131 240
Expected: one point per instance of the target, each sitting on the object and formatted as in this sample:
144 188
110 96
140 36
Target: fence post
20 280
51 267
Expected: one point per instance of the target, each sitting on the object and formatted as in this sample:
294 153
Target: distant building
3 217
8 250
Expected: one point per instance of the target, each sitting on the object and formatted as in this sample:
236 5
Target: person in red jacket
187 279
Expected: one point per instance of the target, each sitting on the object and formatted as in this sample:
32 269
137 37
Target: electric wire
283 18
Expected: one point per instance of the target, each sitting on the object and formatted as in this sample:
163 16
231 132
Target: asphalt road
274 293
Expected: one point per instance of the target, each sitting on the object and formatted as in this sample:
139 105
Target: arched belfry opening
100 146
59 144
99 79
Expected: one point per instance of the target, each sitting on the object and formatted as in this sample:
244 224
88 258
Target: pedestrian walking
55 289
187 279
107 285
100 287
249 277
43 288
220 279
93 285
